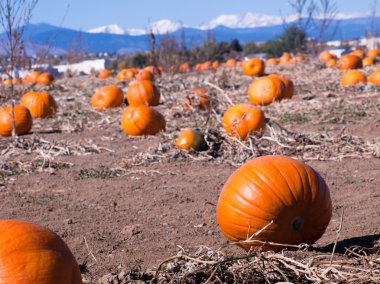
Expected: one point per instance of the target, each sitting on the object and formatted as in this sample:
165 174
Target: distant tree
140 60
250 47
235 45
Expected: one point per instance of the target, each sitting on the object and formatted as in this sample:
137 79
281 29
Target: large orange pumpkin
45 79
253 67
352 78
279 189
32 254
265 90
23 120
191 139
197 98
107 97
349 61
142 120
289 86
143 92
374 78
40 104
104 73
242 119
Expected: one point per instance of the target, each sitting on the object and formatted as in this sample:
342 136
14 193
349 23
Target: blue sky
86 14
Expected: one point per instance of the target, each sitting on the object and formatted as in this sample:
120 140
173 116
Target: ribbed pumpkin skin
253 67
289 86
107 97
191 139
242 119
274 188
143 92
23 120
349 61
142 120
31 254
352 78
266 90
40 104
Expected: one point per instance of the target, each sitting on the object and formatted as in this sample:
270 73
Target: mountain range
247 27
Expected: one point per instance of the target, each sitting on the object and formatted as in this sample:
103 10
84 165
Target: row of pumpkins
285 200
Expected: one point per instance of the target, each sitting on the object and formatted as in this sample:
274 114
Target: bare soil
121 202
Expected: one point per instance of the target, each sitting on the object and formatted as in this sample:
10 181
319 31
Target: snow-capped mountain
110 29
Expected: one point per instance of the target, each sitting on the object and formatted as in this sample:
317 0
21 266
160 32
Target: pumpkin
374 78
299 58
205 66
274 188
289 86
349 61
40 104
142 120
242 119
45 79
126 74
143 92
107 97
33 254
184 67
352 78
154 70
145 75
285 58
104 73
326 56
31 78
23 120
215 65
14 81
197 98
230 63
253 67
359 53
265 90
191 139
368 61
272 61
331 63
373 53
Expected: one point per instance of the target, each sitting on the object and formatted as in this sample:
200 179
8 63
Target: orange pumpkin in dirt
373 53
107 97
266 90
359 53
14 81
33 254
285 200
143 92
326 56
45 79
299 58
40 104
289 86
197 98
205 66
104 73
126 74
145 75
191 139
241 120
285 58
331 63
154 70
142 120
31 78
230 63
374 78
184 67
349 61
215 65
368 61
272 61
253 67
352 78
23 120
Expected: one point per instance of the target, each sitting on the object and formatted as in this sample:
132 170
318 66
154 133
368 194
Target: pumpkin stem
297 223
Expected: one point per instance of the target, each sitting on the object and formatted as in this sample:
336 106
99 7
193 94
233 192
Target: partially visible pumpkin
23 120
191 139
215 65
45 79
285 58
331 63
104 73
32 254
359 53
145 75
368 61
352 78
241 120
289 86
184 67
253 67
272 61
31 77
230 62
14 81
275 189
374 78
142 120
126 74
142 92
40 104
373 53
299 58
107 97
349 61
197 98
266 90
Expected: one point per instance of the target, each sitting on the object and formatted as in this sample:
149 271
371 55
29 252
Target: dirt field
121 202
